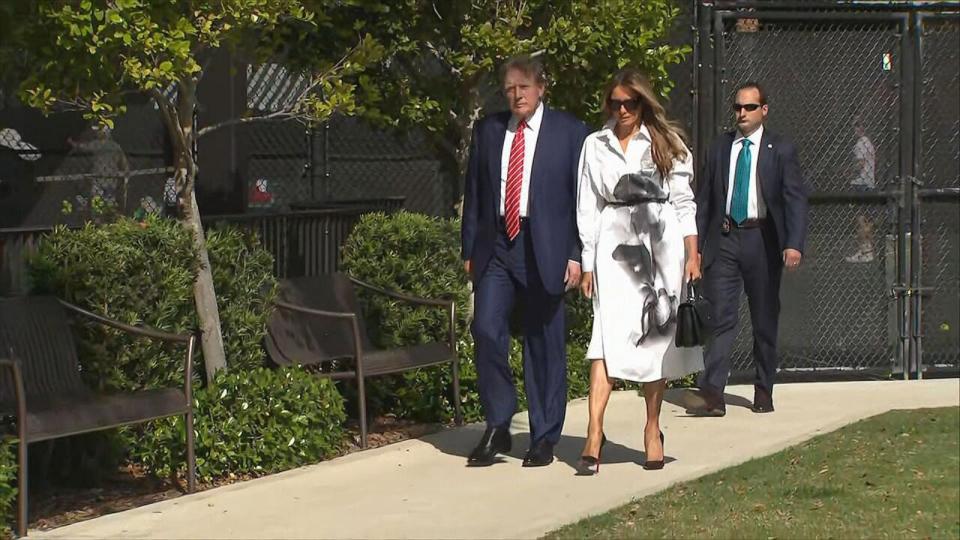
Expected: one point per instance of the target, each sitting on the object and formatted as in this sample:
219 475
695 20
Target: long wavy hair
666 134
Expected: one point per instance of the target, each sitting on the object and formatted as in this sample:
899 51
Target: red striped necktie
511 208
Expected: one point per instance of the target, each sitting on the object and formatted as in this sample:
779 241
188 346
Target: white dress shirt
756 208
530 134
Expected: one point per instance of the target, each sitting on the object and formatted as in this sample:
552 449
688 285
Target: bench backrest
297 338
38 332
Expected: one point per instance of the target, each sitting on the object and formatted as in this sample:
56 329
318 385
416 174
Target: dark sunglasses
750 107
630 104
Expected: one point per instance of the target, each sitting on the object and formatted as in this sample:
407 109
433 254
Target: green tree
441 68
89 55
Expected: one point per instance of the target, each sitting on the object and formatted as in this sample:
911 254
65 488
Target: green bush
421 255
253 422
143 273
8 485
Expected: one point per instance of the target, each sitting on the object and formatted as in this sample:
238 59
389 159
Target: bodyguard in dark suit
752 219
520 245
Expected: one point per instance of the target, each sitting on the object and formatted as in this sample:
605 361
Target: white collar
533 122
754 137
612 135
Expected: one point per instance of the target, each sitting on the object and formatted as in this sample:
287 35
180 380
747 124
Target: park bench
318 322
42 390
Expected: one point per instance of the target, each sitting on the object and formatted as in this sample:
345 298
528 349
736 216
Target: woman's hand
692 269
586 284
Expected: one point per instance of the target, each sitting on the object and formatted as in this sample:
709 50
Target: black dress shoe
714 404
494 441
762 401
539 455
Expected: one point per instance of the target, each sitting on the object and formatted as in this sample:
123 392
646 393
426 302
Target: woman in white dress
637 221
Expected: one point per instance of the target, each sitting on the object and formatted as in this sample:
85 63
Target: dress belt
619 204
753 223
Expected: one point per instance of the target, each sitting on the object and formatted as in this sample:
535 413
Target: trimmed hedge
8 485
143 273
249 422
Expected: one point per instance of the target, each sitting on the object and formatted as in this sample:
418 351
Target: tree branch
274 116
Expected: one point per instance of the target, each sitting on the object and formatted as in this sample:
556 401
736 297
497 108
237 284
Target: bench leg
457 408
191 454
22 445
363 412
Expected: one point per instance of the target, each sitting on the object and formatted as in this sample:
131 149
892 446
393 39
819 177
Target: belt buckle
726 225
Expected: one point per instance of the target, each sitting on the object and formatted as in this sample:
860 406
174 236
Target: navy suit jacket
552 200
781 186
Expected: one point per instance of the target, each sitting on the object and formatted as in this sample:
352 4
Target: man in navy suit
520 246
752 218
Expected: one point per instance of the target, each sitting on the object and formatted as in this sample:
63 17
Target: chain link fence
939 144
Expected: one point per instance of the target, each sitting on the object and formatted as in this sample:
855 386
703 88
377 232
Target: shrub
8 484
143 273
421 255
252 422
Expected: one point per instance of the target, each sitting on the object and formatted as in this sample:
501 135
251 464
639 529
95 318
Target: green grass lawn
893 476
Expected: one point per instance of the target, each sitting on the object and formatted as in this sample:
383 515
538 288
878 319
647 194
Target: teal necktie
741 185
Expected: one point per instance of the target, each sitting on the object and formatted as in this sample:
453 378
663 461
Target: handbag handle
692 289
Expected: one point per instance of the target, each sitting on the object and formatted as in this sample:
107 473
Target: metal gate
852 84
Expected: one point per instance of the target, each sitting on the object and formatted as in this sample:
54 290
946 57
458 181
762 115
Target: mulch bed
131 487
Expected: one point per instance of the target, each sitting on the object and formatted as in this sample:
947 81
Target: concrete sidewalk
421 488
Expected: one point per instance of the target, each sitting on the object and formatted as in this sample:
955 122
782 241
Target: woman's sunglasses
630 104
750 107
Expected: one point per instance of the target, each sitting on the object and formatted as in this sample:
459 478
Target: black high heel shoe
589 465
656 465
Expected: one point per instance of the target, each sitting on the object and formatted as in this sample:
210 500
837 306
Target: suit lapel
764 162
725 164
539 157
495 156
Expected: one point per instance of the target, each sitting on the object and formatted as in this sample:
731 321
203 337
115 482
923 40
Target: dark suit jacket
552 201
781 186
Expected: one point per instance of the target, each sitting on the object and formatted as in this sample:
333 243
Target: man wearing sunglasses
752 220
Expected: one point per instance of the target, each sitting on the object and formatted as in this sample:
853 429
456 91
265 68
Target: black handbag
693 319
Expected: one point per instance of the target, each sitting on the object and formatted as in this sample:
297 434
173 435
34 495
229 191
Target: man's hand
692 269
572 277
586 284
791 259
468 268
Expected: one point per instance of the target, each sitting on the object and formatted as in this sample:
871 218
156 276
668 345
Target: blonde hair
666 135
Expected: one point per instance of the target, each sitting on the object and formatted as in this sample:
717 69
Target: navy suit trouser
512 276
745 260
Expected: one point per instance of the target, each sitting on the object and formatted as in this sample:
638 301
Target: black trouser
750 260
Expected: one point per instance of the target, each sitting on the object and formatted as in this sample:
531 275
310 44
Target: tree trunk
179 122
205 297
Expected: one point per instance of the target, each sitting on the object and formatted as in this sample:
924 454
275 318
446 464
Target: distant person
864 180
109 167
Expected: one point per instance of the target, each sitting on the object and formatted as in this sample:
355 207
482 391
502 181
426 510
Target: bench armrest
146 331
447 303
138 330
440 302
14 368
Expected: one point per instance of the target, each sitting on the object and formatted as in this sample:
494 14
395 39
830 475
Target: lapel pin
769 145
